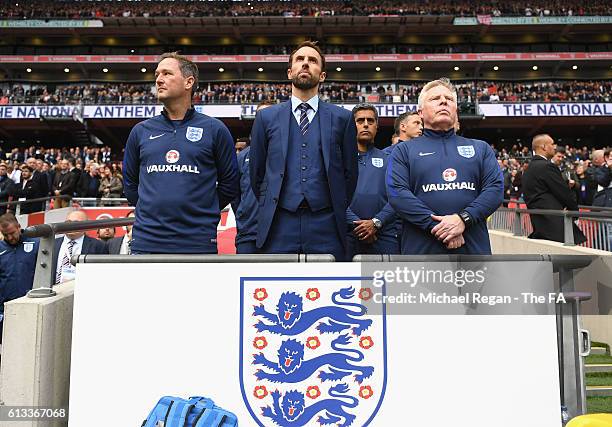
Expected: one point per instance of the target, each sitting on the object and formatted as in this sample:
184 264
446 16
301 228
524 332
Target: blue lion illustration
293 412
292 368
291 319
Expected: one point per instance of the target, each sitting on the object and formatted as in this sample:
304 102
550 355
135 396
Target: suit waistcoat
305 176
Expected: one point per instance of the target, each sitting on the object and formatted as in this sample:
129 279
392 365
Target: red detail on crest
260 294
260 391
313 392
365 392
260 343
365 293
313 342
366 342
313 294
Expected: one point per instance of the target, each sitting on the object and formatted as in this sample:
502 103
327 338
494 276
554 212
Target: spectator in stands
245 207
17 261
371 220
89 184
111 185
585 187
13 171
303 165
63 185
73 243
27 189
122 245
544 188
443 199
182 180
6 186
106 234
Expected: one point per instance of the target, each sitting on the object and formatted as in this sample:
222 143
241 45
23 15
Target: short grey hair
188 68
442 81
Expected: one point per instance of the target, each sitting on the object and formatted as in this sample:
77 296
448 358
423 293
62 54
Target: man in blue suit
303 165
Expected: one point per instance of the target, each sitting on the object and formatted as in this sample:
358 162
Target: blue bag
193 412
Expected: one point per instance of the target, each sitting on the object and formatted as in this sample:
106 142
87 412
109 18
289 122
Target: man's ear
322 76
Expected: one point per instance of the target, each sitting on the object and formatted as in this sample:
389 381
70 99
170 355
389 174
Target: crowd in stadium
240 93
102 9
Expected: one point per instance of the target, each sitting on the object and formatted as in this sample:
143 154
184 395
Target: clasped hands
365 230
449 231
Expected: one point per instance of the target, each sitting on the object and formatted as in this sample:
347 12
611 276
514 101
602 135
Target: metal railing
596 226
18 203
101 201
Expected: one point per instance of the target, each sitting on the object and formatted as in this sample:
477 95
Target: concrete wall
36 344
596 279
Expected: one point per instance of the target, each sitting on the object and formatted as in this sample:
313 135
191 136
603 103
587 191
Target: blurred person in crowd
73 243
585 187
241 144
122 245
245 207
303 165
13 171
601 169
443 186
6 187
407 126
371 221
110 185
42 184
72 167
105 234
89 183
27 189
18 256
182 180
544 188
516 185
64 184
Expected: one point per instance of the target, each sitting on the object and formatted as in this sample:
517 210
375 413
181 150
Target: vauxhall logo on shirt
172 157
450 176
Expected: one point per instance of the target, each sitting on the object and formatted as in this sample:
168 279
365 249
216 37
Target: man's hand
450 227
364 229
455 242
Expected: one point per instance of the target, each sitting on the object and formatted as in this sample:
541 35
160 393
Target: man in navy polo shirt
179 168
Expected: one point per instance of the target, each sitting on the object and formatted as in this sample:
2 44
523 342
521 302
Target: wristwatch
377 223
466 218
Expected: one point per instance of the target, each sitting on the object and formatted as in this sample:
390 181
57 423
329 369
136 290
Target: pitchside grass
599 404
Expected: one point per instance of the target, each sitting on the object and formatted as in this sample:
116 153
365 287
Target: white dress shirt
312 111
69 271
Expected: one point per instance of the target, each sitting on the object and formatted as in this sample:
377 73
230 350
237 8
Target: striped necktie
65 261
304 123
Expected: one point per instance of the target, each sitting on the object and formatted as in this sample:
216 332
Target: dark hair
31 169
560 149
365 106
8 218
313 45
188 68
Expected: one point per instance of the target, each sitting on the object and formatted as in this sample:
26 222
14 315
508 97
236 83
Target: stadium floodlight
221 69
260 69
338 68
143 69
574 67
495 68
377 69
456 68
66 70
417 68
105 70
534 68
132 51
29 70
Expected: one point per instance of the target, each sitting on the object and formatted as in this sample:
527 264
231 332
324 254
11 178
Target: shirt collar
78 241
313 102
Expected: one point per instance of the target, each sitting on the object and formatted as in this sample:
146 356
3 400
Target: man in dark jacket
63 185
544 188
89 182
27 189
6 186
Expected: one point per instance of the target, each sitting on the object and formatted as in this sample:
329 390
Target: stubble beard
305 84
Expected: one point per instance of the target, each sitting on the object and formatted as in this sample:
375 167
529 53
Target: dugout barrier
36 359
594 222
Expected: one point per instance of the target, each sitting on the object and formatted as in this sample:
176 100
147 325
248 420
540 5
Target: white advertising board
142 331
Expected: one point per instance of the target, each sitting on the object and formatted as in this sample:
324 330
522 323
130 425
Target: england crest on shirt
194 134
28 246
466 151
377 162
310 354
